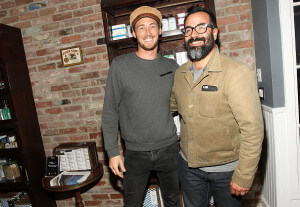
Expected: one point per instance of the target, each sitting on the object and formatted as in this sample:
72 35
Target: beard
200 52
147 47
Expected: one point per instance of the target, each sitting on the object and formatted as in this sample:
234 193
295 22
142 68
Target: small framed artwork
71 56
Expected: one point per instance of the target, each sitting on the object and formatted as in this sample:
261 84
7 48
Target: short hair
197 8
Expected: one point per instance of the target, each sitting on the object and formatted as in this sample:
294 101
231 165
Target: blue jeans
196 185
139 165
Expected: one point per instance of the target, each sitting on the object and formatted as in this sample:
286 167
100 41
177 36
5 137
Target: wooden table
94 176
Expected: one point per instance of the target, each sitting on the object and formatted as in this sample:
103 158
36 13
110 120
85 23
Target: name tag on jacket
209 88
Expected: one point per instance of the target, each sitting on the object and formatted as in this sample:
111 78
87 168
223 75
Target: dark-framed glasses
200 29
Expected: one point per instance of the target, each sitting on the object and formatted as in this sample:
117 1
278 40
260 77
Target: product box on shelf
118 32
76 156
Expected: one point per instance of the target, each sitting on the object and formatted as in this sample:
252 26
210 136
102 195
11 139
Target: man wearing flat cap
137 99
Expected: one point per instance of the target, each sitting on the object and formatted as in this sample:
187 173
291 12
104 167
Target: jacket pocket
217 145
207 103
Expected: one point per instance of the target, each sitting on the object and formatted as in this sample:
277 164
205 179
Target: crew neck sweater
137 98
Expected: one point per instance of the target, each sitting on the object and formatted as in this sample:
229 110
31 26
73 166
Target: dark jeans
139 165
196 185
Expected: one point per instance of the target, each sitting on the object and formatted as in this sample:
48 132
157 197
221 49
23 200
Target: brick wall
69 99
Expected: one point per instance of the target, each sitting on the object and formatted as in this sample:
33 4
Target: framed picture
71 56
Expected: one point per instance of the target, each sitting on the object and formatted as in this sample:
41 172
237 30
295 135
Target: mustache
196 39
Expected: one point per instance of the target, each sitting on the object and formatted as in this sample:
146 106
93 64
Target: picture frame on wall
71 56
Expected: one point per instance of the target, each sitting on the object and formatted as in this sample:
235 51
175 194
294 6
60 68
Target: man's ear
133 33
215 33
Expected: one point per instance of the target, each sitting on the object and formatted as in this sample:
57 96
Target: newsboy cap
145 11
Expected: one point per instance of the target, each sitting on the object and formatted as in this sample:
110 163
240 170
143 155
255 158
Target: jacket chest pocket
207 103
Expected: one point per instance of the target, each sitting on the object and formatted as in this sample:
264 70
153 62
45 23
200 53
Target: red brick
41 21
63 16
239 26
68 6
36 61
87 114
228 20
245 16
61 139
95 136
91 91
92 203
48 11
18 10
78 137
83 28
237 9
92 34
63 32
89 59
60 87
116 196
53 57
104 72
81 84
89 75
67 94
56 2
9 20
95 50
3 13
43 126
69 39
224 3
77 69
23 25
44 52
30 54
50 26
21 2
92 18
68 131
72 108
81 99
100 197
57 124
83 12
71 22
89 3
95 82
54 111
50 66
29 15
43 104
241 44
7 5
50 132
228 38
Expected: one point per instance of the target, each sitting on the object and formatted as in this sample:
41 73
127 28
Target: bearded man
221 120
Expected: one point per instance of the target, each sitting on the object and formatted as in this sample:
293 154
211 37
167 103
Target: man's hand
117 166
238 190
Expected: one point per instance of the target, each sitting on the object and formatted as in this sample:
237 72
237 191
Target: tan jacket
221 116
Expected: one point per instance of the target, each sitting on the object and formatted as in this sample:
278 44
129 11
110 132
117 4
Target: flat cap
145 11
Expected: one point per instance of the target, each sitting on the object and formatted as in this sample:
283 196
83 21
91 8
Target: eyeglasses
200 29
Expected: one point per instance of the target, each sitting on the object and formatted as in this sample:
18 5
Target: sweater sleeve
110 114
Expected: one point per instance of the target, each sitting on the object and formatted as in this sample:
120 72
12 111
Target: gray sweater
137 97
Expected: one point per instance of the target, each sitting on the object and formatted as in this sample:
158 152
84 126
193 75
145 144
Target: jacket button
190 141
191 93
190 118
